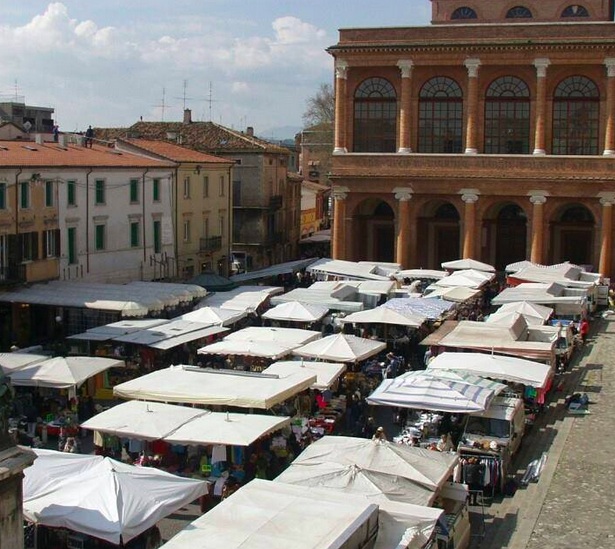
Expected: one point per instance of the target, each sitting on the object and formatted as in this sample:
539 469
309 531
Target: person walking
89 137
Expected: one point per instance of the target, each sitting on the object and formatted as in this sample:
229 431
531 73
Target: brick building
489 134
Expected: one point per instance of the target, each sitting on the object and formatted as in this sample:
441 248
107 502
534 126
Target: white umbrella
460 264
517 370
10 362
214 316
426 390
527 309
385 315
63 372
295 311
341 348
102 497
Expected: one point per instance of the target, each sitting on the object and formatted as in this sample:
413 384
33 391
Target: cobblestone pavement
572 505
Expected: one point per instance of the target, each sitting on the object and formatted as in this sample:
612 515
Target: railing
210 244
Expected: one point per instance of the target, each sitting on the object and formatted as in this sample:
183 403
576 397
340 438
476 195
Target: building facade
489 134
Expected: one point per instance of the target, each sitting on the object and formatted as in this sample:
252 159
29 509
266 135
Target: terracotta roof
20 154
174 152
201 136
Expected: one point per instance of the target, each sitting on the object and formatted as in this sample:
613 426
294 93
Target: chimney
250 131
38 138
187 116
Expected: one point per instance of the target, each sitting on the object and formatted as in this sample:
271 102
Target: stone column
609 137
541 104
403 251
472 109
405 110
341 72
606 239
469 225
338 242
538 218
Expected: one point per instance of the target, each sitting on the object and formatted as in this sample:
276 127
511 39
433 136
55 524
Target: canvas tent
431 309
462 264
327 373
187 384
101 497
341 348
295 311
385 315
214 316
10 362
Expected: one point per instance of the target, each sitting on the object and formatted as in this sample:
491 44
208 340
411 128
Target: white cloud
290 30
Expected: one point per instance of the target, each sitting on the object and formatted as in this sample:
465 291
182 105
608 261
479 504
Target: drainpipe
87 219
229 237
174 191
143 207
17 174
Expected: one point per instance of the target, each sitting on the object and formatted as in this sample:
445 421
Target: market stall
295 311
341 348
327 373
11 362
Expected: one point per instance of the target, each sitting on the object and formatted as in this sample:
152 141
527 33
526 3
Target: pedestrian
584 329
89 137
474 473
71 446
380 435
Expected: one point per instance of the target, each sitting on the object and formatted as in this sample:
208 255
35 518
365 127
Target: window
2 196
135 232
221 193
222 225
507 116
187 187
99 236
156 190
24 195
206 227
28 245
71 196
518 12
157 237
49 194
99 186
576 105
375 116
52 243
186 230
440 116
575 11
464 13
205 186
72 245
134 191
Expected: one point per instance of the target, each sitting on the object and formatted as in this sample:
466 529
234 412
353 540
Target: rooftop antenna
210 100
163 105
185 98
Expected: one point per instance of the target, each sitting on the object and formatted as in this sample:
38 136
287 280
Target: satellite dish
27 125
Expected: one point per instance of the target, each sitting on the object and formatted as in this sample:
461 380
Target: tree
320 108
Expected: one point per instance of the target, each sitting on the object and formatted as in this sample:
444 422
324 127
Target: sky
239 63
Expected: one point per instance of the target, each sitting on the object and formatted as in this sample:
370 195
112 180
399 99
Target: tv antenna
210 99
185 98
163 105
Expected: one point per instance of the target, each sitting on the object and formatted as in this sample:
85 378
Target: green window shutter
134 190
134 234
70 193
100 191
2 196
156 190
48 194
24 188
157 237
72 245
100 237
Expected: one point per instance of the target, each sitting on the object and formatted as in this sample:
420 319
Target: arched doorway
373 235
572 234
505 235
438 235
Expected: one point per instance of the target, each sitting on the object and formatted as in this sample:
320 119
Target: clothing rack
493 466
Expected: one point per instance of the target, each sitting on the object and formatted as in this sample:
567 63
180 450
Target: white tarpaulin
385 315
341 348
214 316
116 329
191 385
527 309
193 335
10 362
246 299
101 497
516 370
142 420
283 336
424 390
226 428
271 515
509 318
455 295
294 311
327 373
432 309
462 264
174 328
265 349
63 372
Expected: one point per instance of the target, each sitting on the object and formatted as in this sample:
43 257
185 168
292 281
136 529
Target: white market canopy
341 348
214 316
430 274
273 515
327 373
63 372
284 336
424 390
101 497
516 370
564 300
462 264
187 384
432 309
509 318
169 330
289 267
117 329
337 296
244 298
385 315
11 362
262 349
142 420
295 311
527 309
455 295
226 428
463 279
347 269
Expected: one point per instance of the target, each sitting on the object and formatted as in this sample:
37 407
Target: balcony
210 244
275 201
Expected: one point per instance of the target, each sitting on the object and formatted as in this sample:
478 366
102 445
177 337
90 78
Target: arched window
576 105
575 11
375 116
464 13
518 12
507 117
576 214
440 116
447 211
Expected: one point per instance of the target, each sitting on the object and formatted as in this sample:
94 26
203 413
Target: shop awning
327 373
187 384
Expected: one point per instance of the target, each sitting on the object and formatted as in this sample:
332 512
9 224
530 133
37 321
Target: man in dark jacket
474 474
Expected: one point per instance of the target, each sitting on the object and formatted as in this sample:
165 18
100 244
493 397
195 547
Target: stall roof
432 309
455 295
463 279
346 269
295 311
11 362
289 267
187 384
542 294
244 298
265 349
327 373
508 318
420 274
168 331
62 372
341 348
291 336
322 296
461 264
278 516
116 329
180 339
214 315
527 309
385 315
